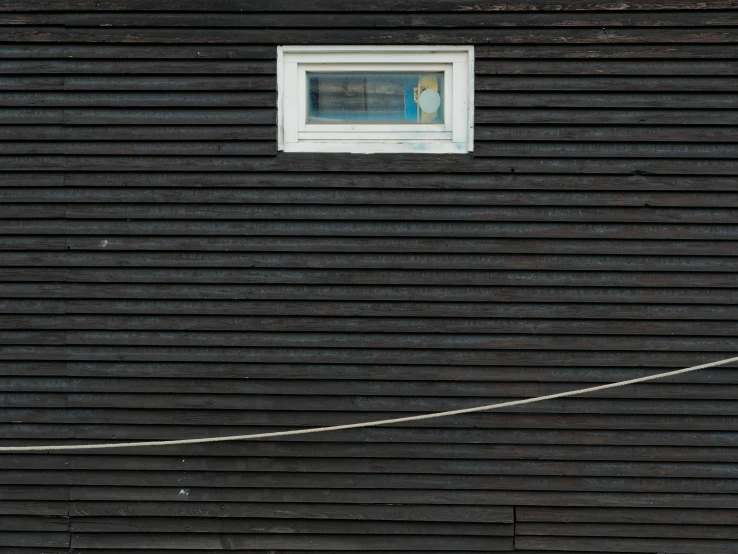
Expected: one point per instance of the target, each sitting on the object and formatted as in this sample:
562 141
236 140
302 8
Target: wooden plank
309 162
36 115
602 117
378 340
32 83
366 481
33 524
652 404
647 406
213 195
423 388
31 337
138 99
486 498
206 551
612 544
32 306
331 281
604 99
461 497
358 181
650 531
598 67
639 516
142 133
173 116
36 508
358 6
41 275
148 148
201 551
447 199
324 244
348 355
531 442
174 83
32 242
48 212
344 355
708 431
19 399
254 52
123 66
319 542
469 514
352 465
371 372
25 493
315 449
433 263
604 83
489 436
572 312
604 295
147 51
327 228
36 539
604 150
577 51
385 20
277 527
367 324
631 134
431 214
23 180
56 34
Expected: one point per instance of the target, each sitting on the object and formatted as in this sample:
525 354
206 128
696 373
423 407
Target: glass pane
375 98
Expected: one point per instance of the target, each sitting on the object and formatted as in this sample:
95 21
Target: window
371 99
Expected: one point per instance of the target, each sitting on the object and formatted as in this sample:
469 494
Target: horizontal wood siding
167 274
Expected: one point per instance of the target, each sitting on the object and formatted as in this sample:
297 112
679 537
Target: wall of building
167 274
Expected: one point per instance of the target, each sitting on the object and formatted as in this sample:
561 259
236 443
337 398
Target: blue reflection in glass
375 98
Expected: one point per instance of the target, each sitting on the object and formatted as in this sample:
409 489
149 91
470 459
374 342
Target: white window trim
454 136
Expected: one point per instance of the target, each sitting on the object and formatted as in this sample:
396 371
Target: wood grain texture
358 6
165 273
467 19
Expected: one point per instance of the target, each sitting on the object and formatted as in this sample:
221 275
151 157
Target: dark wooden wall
167 274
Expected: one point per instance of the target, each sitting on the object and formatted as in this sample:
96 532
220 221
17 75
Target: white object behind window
371 99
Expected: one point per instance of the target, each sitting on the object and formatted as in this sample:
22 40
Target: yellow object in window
428 98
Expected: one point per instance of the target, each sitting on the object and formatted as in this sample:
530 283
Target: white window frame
454 136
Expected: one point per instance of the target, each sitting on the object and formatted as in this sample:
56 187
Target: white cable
367 423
